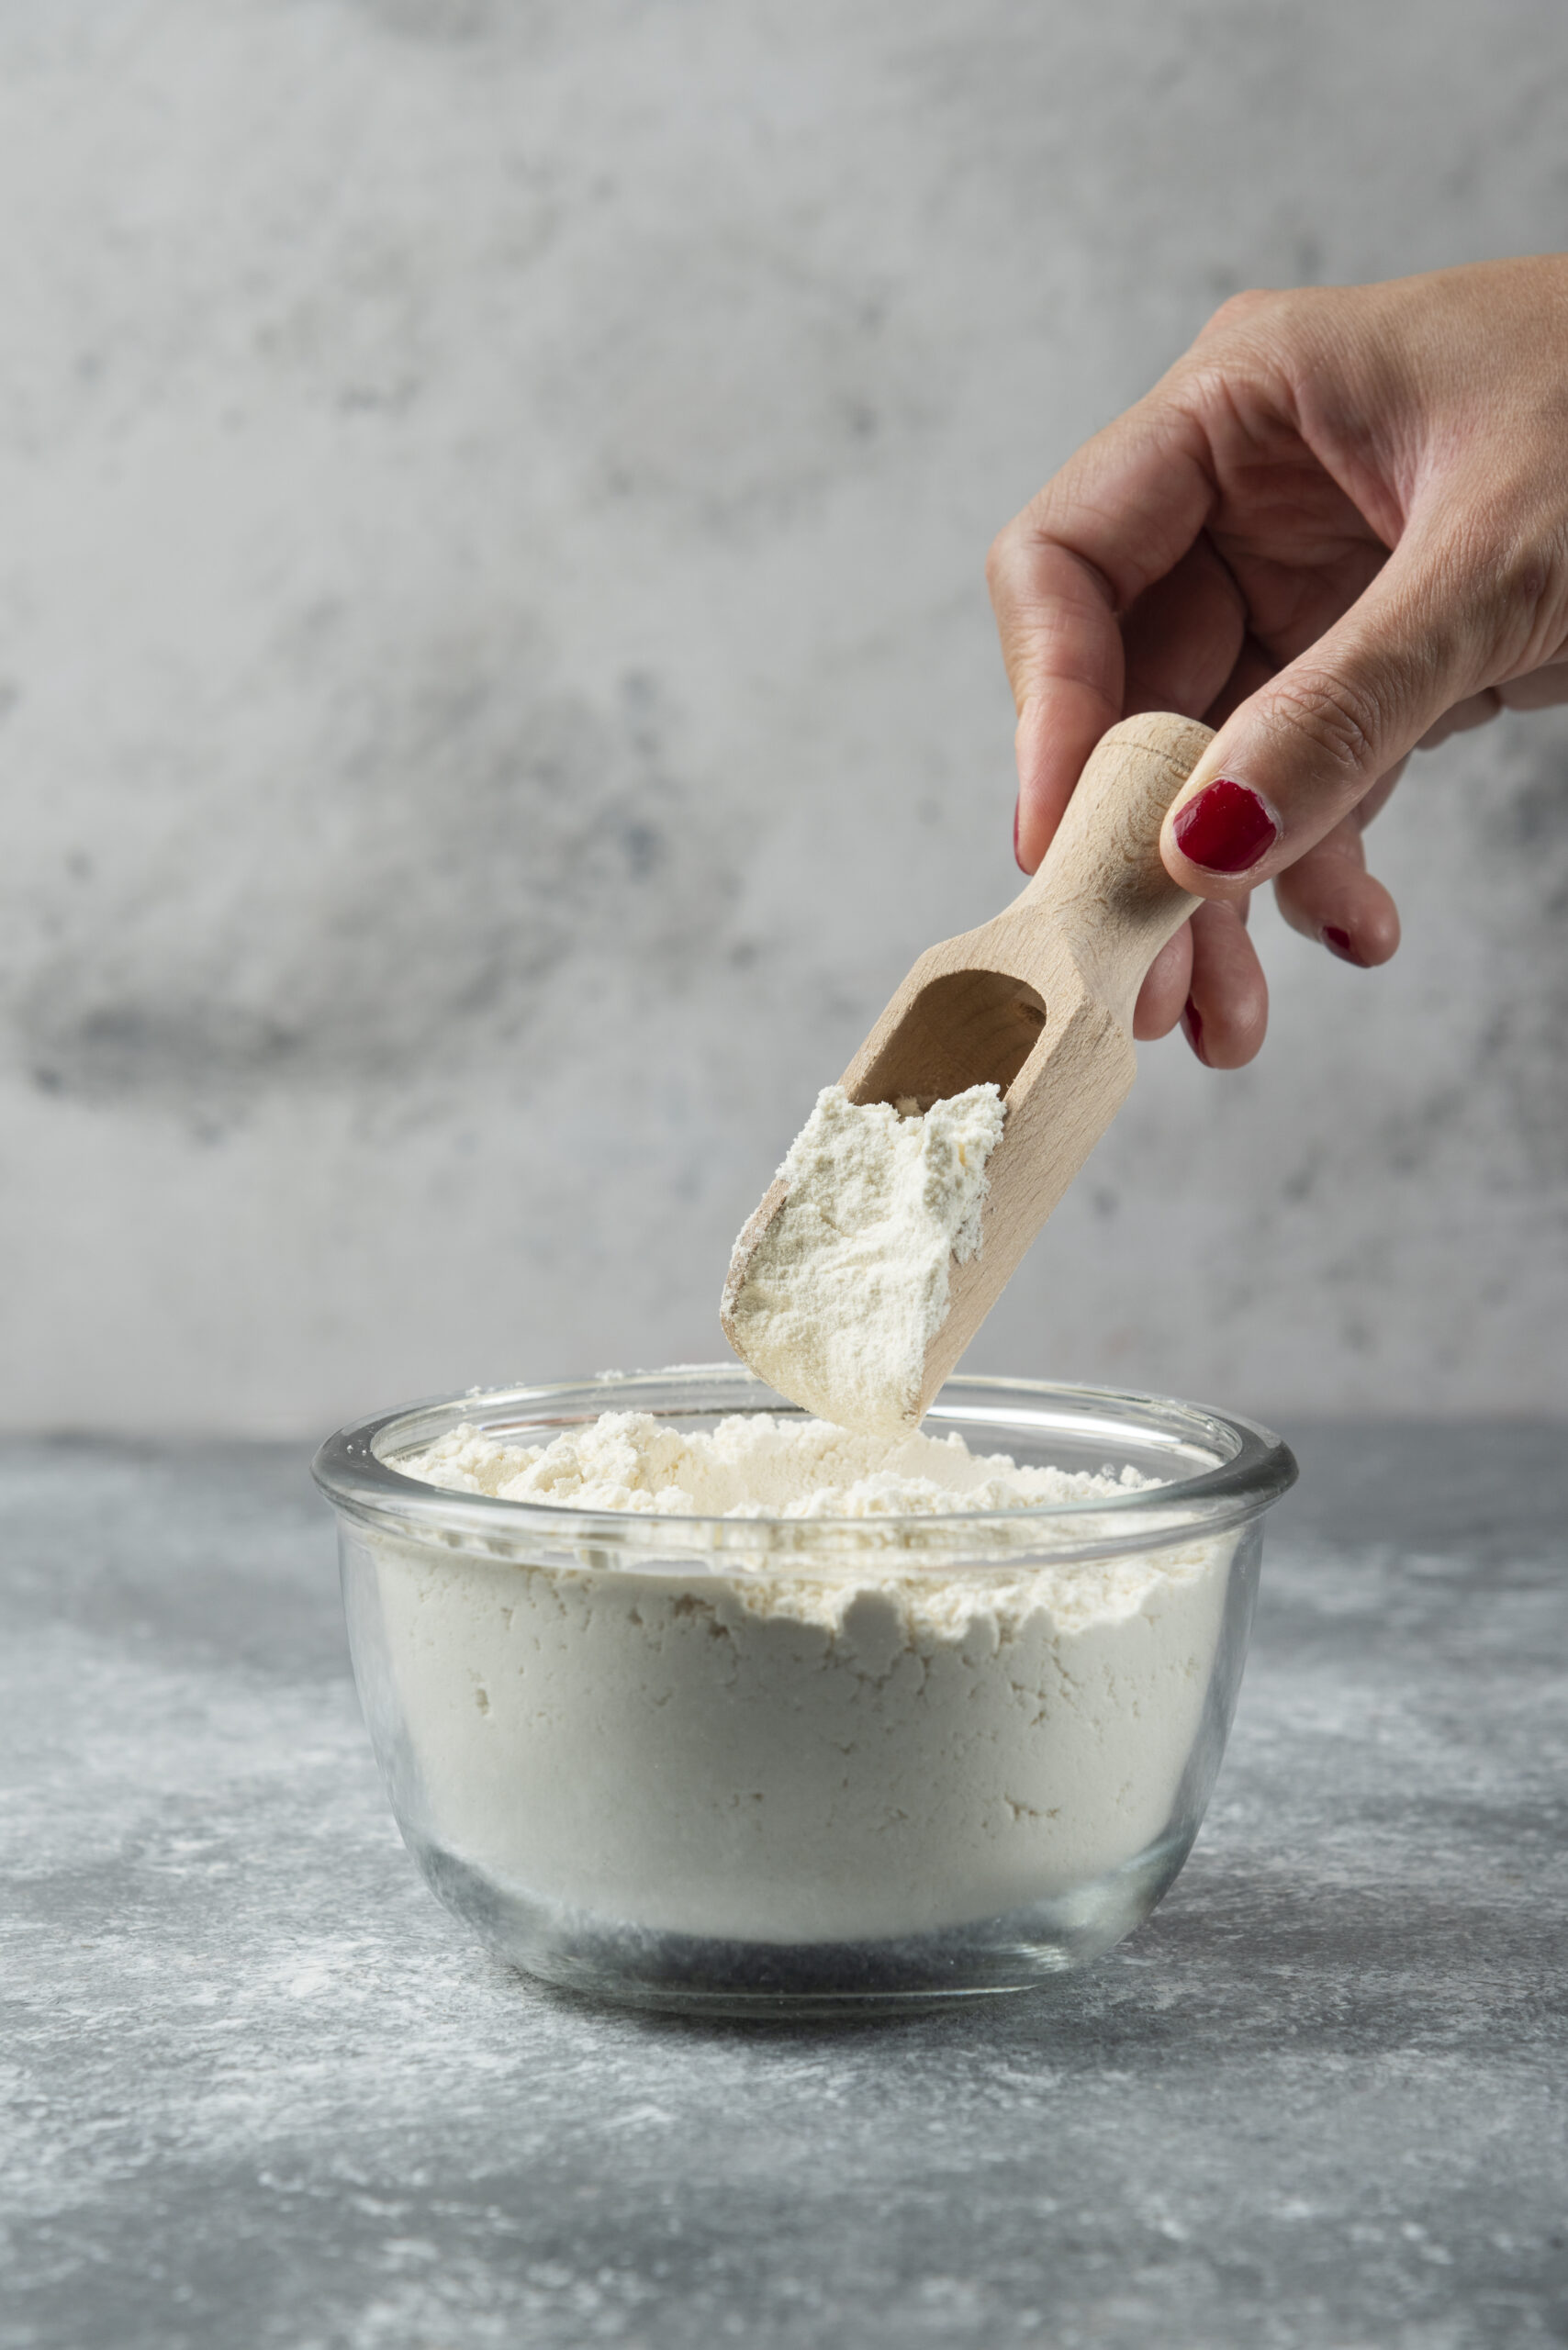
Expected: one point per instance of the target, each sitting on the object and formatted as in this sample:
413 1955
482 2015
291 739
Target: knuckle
1504 566
1337 716
1271 307
1236 309
1508 573
1525 585
1004 556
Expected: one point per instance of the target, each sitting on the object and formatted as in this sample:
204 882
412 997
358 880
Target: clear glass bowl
811 1765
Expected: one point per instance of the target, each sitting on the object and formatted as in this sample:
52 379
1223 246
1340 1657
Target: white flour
849 1283
789 1756
751 1466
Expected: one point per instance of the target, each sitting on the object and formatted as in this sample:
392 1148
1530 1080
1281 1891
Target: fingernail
1227 828
1193 1029
1017 812
1338 943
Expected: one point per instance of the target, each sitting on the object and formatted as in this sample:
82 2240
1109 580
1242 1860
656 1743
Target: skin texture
1337 531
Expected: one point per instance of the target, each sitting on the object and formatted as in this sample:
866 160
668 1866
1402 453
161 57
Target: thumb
1295 757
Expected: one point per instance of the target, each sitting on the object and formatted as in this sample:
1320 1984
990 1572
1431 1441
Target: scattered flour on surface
849 1282
753 1465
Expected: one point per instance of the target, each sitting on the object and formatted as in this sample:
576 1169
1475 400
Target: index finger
1119 515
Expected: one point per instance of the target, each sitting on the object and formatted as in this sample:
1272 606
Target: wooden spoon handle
1103 884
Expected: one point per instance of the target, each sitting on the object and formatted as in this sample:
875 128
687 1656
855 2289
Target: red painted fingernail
1227 828
1017 812
1338 943
1193 1028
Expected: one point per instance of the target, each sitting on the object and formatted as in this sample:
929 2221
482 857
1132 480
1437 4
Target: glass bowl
762 1765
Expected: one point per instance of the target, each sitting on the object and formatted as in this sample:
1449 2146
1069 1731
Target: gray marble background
496 683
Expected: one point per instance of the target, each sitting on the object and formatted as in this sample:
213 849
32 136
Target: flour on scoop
849 1282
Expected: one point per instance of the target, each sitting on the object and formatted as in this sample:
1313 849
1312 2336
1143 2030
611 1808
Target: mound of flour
877 1749
751 1466
849 1284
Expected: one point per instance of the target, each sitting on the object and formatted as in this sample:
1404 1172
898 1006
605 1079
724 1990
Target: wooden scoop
1039 1002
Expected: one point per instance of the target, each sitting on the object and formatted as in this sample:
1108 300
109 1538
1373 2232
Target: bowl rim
1256 1467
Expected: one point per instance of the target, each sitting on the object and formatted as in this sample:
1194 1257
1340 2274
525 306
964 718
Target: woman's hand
1337 530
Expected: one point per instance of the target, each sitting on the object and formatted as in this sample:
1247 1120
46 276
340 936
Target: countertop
267 2093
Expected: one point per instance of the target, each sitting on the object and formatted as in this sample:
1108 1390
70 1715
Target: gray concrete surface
263 2092
496 684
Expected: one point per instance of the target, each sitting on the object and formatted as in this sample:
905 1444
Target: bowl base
653 1968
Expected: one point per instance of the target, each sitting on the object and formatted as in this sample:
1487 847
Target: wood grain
1039 1001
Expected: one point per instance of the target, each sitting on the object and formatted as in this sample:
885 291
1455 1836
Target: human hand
1337 531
